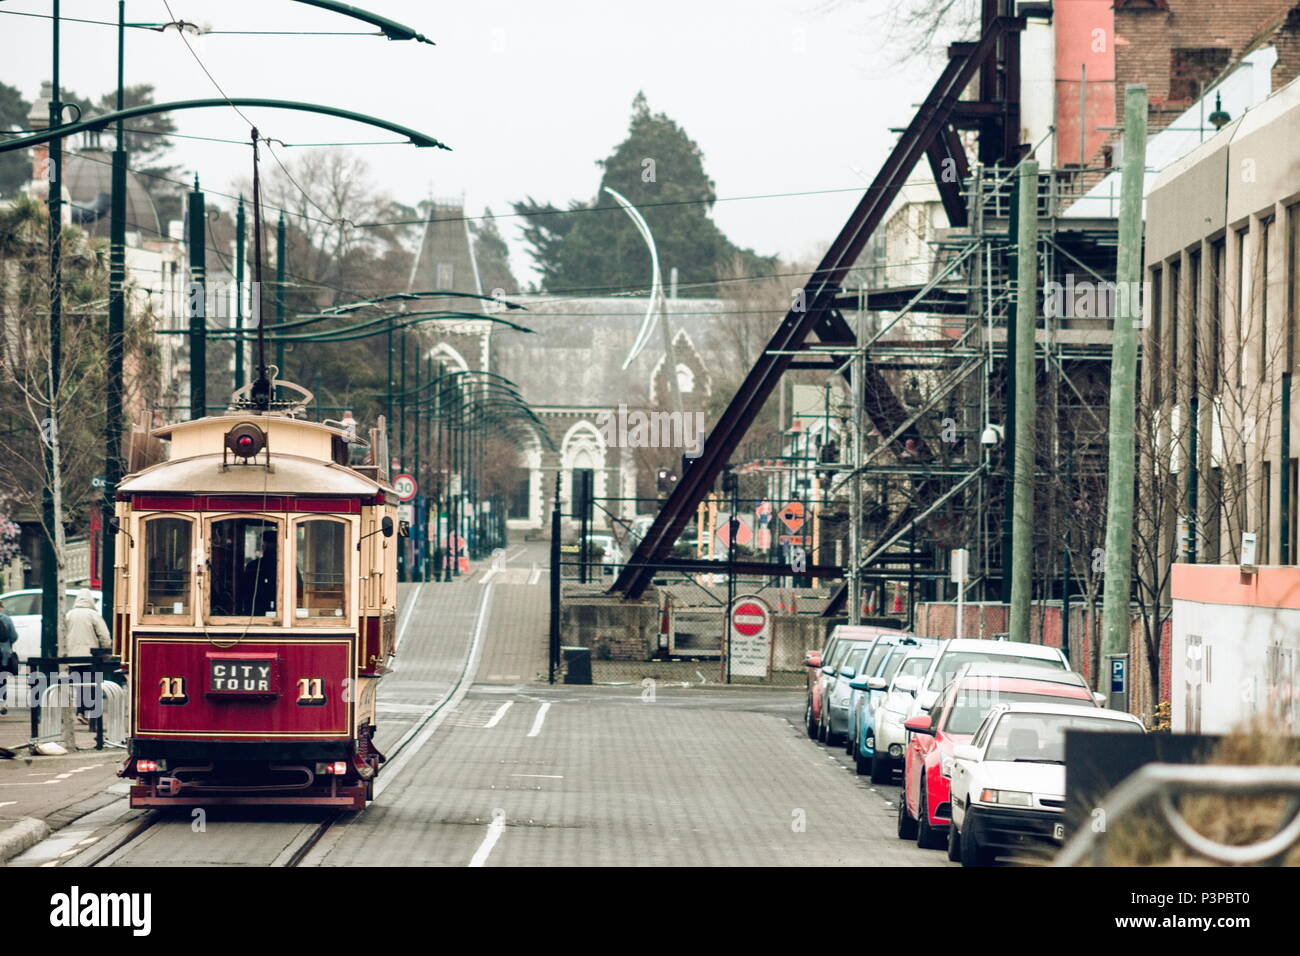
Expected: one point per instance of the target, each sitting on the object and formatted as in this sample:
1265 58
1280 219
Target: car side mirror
1099 698
827 670
848 673
860 683
875 683
926 698
906 684
919 725
813 659
965 752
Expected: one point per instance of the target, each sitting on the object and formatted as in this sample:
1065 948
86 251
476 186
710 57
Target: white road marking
489 575
501 712
8 803
537 721
394 766
536 575
495 829
516 554
548 776
410 608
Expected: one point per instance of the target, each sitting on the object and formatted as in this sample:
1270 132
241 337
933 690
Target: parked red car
814 661
924 807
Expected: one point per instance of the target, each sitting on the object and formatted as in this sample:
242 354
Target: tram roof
289 474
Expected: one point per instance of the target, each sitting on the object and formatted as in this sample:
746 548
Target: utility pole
855 483
555 581
1123 379
198 304
116 331
1022 513
50 514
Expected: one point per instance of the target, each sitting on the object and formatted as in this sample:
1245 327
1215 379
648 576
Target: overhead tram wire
156 28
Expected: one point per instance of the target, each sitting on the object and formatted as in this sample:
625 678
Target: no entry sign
750 641
749 618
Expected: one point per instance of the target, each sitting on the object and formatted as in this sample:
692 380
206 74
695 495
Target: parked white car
892 708
24 607
1008 783
955 654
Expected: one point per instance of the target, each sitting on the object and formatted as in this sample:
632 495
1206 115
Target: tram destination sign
242 676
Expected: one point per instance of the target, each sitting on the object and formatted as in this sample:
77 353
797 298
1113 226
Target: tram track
110 849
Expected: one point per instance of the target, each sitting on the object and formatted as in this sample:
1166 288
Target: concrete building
1223 263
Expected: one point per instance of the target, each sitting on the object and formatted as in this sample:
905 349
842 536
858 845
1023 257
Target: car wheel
860 763
881 768
851 742
906 825
821 725
927 837
954 843
971 853
808 719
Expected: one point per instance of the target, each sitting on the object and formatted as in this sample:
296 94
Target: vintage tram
256 605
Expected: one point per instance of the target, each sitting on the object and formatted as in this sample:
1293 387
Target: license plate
243 677
1058 831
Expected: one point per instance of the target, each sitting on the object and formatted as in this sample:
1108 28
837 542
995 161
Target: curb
23 835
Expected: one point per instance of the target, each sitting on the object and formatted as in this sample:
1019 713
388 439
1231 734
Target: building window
245 566
1214 360
1175 308
1265 240
1153 359
1191 69
168 543
1194 322
321 550
1238 295
1266 512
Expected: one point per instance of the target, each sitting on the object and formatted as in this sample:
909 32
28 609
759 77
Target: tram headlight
245 440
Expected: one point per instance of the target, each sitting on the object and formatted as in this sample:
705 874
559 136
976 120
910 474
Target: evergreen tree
595 246
493 256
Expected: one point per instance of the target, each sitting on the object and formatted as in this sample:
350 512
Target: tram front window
245 568
321 555
167 570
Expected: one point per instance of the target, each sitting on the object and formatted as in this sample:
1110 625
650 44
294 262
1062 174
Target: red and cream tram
257 597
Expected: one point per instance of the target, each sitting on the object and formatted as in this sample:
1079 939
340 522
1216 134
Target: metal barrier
112 717
1167 781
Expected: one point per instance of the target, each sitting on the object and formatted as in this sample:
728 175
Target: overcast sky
781 95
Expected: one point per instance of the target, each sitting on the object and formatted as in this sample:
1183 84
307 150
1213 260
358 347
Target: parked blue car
867 686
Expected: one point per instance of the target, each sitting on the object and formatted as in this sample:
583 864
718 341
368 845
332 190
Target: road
512 772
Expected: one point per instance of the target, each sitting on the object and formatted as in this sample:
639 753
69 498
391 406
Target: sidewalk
41 794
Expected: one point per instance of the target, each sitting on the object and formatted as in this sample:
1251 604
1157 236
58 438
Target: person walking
8 657
86 632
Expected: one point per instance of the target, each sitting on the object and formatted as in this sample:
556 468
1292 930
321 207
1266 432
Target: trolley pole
1123 380
240 239
280 244
198 303
1022 514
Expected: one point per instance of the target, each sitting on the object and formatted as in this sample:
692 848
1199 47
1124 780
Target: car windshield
950 664
23 604
877 655
891 665
1040 738
965 715
854 659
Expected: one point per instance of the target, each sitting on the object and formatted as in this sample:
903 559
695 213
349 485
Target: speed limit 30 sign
405 487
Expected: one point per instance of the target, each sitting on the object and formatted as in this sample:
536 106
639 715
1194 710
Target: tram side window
245 568
322 556
167 569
